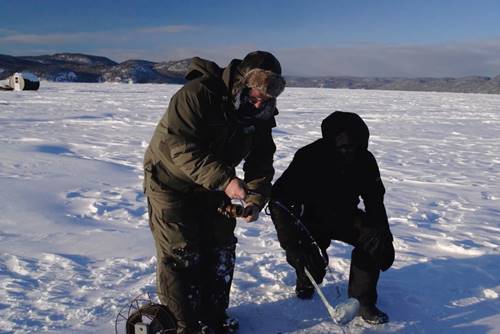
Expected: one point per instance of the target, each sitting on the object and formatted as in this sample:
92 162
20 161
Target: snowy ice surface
75 245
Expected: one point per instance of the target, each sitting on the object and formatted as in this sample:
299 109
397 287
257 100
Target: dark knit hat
260 59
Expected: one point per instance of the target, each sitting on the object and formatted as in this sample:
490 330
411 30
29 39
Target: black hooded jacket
328 189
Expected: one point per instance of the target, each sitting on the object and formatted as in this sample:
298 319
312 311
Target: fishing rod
343 312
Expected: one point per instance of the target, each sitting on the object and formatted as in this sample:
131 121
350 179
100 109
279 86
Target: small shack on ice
21 81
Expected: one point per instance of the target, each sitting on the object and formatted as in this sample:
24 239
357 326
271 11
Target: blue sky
363 38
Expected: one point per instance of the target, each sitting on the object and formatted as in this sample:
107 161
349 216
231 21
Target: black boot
230 325
199 328
372 315
224 324
303 288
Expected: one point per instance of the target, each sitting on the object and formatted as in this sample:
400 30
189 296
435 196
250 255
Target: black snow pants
195 249
373 252
373 249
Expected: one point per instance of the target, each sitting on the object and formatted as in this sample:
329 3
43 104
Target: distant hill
77 67
471 84
74 67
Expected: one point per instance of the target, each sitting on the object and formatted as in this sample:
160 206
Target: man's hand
377 242
251 213
236 189
310 258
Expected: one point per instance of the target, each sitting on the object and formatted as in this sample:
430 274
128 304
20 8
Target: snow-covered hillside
75 245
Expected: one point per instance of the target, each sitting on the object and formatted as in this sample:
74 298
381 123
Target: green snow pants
195 250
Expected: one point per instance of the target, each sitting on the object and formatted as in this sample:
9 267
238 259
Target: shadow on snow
439 296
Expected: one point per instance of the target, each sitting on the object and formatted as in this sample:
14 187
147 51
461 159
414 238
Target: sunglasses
249 96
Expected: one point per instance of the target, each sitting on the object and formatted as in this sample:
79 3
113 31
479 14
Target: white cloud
171 29
221 54
125 35
369 60
4 31
54 38
440 60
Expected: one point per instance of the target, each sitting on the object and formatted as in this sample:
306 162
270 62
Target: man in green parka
218 119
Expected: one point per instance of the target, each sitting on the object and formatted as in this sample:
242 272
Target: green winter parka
196 145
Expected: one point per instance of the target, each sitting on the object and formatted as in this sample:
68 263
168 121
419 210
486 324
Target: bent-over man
219 118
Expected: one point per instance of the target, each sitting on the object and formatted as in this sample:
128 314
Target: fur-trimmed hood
268 67
259 69
269 83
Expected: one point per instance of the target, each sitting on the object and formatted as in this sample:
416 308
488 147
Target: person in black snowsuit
322 188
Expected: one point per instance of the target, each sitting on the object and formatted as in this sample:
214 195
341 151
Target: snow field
75 245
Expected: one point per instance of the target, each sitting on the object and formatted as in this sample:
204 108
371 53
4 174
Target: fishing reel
143 316
231 210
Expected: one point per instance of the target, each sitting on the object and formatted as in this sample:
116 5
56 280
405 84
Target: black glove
377 242
310 258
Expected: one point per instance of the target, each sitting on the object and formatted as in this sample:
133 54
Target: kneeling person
322 187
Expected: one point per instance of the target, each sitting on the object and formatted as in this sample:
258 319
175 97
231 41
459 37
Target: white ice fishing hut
24 81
